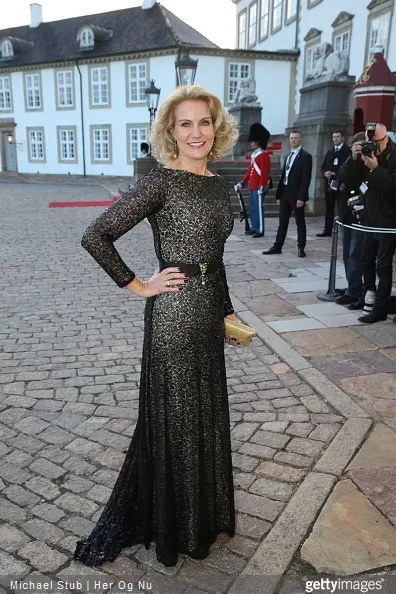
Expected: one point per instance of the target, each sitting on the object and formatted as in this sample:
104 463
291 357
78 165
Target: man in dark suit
292 194
332 162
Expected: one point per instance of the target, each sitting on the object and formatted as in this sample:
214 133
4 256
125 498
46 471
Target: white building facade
355 26
82 109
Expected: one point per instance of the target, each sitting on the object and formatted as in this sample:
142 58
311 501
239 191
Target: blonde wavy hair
225 125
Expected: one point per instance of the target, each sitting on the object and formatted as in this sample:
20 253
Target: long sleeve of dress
228 308
145 198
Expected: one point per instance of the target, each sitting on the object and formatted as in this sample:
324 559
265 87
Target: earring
211 150
175 149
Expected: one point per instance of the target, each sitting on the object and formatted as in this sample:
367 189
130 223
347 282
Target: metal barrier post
331 293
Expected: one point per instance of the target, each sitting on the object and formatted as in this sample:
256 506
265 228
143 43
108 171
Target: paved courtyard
312 402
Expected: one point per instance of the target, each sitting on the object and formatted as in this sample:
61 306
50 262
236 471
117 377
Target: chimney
36 15
147 4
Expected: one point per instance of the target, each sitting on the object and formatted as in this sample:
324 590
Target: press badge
363 187
335 162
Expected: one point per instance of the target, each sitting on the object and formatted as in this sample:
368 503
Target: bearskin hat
259 134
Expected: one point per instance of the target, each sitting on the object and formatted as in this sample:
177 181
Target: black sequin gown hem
87 553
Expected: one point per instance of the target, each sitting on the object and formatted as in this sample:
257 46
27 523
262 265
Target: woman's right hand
170 280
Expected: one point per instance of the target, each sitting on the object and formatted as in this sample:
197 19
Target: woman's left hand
232 317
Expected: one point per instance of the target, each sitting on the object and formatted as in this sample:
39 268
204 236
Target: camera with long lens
369 146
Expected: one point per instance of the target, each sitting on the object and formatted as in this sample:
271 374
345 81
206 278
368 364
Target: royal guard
258 178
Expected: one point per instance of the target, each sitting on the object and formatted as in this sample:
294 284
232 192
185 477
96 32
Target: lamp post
186 68
152 98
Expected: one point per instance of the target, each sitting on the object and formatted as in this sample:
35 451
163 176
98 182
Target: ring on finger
167 284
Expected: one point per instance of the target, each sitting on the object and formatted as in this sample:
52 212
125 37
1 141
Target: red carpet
83 203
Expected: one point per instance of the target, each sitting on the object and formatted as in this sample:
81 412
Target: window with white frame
379 32
264 18
137 82
101 144
237 73
252 23
67 144
36 145
7 49
87 39
310 59
291 9
33 94
276 15
100 86
341 41
65 88
242 30
136 137
5 92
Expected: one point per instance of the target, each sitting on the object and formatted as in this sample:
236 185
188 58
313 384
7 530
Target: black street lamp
152 98
186 67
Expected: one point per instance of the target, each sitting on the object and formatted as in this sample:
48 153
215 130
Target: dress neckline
190 172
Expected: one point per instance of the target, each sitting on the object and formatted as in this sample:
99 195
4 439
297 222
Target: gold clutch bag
240 332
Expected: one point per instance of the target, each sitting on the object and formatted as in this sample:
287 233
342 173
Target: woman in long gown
175 486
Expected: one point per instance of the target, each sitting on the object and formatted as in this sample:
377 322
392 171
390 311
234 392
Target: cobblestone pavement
70 353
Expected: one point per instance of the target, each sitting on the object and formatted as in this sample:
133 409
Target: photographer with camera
332 162
372 168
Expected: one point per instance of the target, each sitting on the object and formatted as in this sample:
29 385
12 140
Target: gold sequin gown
175 486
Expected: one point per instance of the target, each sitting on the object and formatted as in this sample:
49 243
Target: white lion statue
246 92
328 63
337 63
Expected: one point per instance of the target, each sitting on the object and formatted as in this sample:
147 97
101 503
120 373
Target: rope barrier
366 229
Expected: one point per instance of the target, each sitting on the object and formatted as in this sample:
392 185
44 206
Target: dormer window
13 46
89 35
7 50
87 39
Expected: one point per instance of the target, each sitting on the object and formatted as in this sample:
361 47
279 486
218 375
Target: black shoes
250 232
356 305
272 250
258 235
275 250
347 300
324 234
374 316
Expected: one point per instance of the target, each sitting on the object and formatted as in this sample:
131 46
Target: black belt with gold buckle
202 268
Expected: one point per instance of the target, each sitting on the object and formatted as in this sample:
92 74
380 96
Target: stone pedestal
143 166
325 102
246 115
324 108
